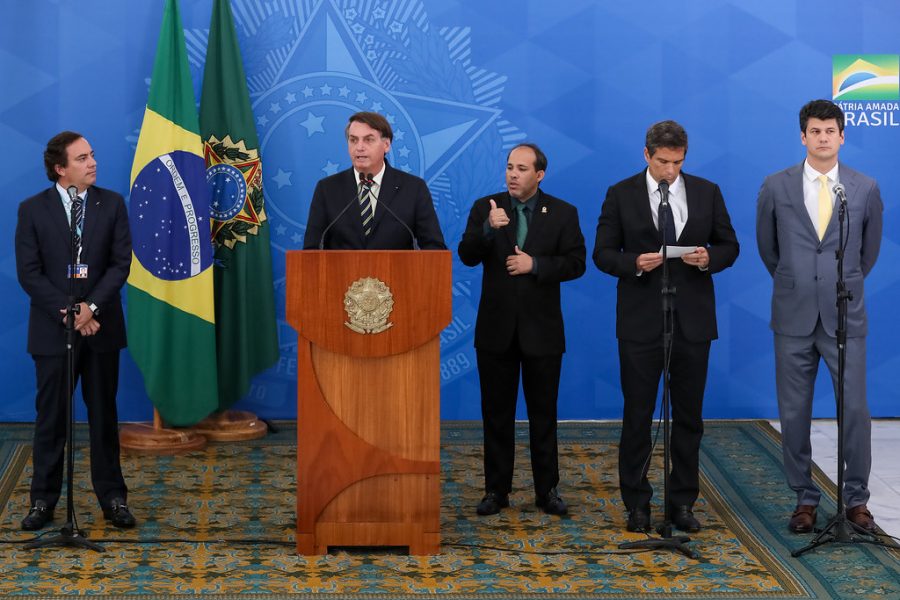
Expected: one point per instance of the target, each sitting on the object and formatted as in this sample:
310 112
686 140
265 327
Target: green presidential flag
246 332
171 316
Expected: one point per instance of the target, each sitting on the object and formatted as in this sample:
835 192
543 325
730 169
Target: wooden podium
368 396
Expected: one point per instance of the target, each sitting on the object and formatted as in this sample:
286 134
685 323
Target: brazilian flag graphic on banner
246 330
171 316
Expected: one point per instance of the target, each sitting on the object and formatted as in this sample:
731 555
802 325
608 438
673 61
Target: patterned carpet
220 523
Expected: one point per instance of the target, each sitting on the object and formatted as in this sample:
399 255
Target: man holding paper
700 242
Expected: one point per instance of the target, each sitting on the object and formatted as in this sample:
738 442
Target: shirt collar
376 178
653 186
812 175
64 195
528 203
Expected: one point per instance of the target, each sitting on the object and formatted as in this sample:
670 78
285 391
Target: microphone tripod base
675 543
841 530
67 536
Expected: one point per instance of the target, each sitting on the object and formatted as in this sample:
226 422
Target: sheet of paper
677 251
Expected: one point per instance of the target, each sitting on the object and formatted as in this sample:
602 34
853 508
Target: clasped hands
85 323
518 263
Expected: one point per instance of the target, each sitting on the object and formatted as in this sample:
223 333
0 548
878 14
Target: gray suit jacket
804 270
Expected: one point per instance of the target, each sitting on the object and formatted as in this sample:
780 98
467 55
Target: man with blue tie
103 260
797 236
630 234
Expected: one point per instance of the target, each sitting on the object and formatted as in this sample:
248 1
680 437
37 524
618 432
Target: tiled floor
884 481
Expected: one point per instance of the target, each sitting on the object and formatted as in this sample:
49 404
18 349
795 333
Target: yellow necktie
825 207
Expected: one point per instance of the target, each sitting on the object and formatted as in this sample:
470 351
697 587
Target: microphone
73 193
664 192
841 194
363 179
401 221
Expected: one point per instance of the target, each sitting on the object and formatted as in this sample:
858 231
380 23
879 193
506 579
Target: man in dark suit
43 258
372 206
797 236
527 243
628 246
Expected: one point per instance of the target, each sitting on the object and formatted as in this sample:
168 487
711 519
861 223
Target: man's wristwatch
94 308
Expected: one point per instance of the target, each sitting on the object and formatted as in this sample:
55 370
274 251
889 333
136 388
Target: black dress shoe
638 519
551 503
683 518
492 503
117 512
39 515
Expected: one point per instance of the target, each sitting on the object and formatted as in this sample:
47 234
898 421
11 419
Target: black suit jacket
527 303
625 230
405 194
42 258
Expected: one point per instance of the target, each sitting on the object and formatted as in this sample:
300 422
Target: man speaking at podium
371 206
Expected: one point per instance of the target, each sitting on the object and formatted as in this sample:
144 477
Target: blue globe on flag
170 216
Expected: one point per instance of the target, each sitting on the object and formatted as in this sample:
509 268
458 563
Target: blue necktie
669 234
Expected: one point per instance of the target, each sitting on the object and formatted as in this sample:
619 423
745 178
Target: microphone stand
69 534
666 541
840 529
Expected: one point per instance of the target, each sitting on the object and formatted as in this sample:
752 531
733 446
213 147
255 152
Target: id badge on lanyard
80 271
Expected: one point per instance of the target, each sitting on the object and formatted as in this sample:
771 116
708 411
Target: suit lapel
641 206
385 195
506 203
91 216
642 196
351 187
538 220
56 213
693 206
794 184
848 179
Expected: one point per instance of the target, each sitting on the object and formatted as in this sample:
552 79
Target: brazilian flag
171 316
246 330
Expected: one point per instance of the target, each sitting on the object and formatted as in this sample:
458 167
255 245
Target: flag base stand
147 438
231 426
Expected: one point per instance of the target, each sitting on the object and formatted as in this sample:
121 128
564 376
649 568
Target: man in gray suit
797 235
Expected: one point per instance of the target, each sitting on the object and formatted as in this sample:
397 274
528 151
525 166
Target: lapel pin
544 210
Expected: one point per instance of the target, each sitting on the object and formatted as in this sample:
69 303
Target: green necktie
521 224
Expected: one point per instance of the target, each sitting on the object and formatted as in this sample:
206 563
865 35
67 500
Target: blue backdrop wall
464 80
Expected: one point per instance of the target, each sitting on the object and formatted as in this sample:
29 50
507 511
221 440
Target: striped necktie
77 219
365 202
